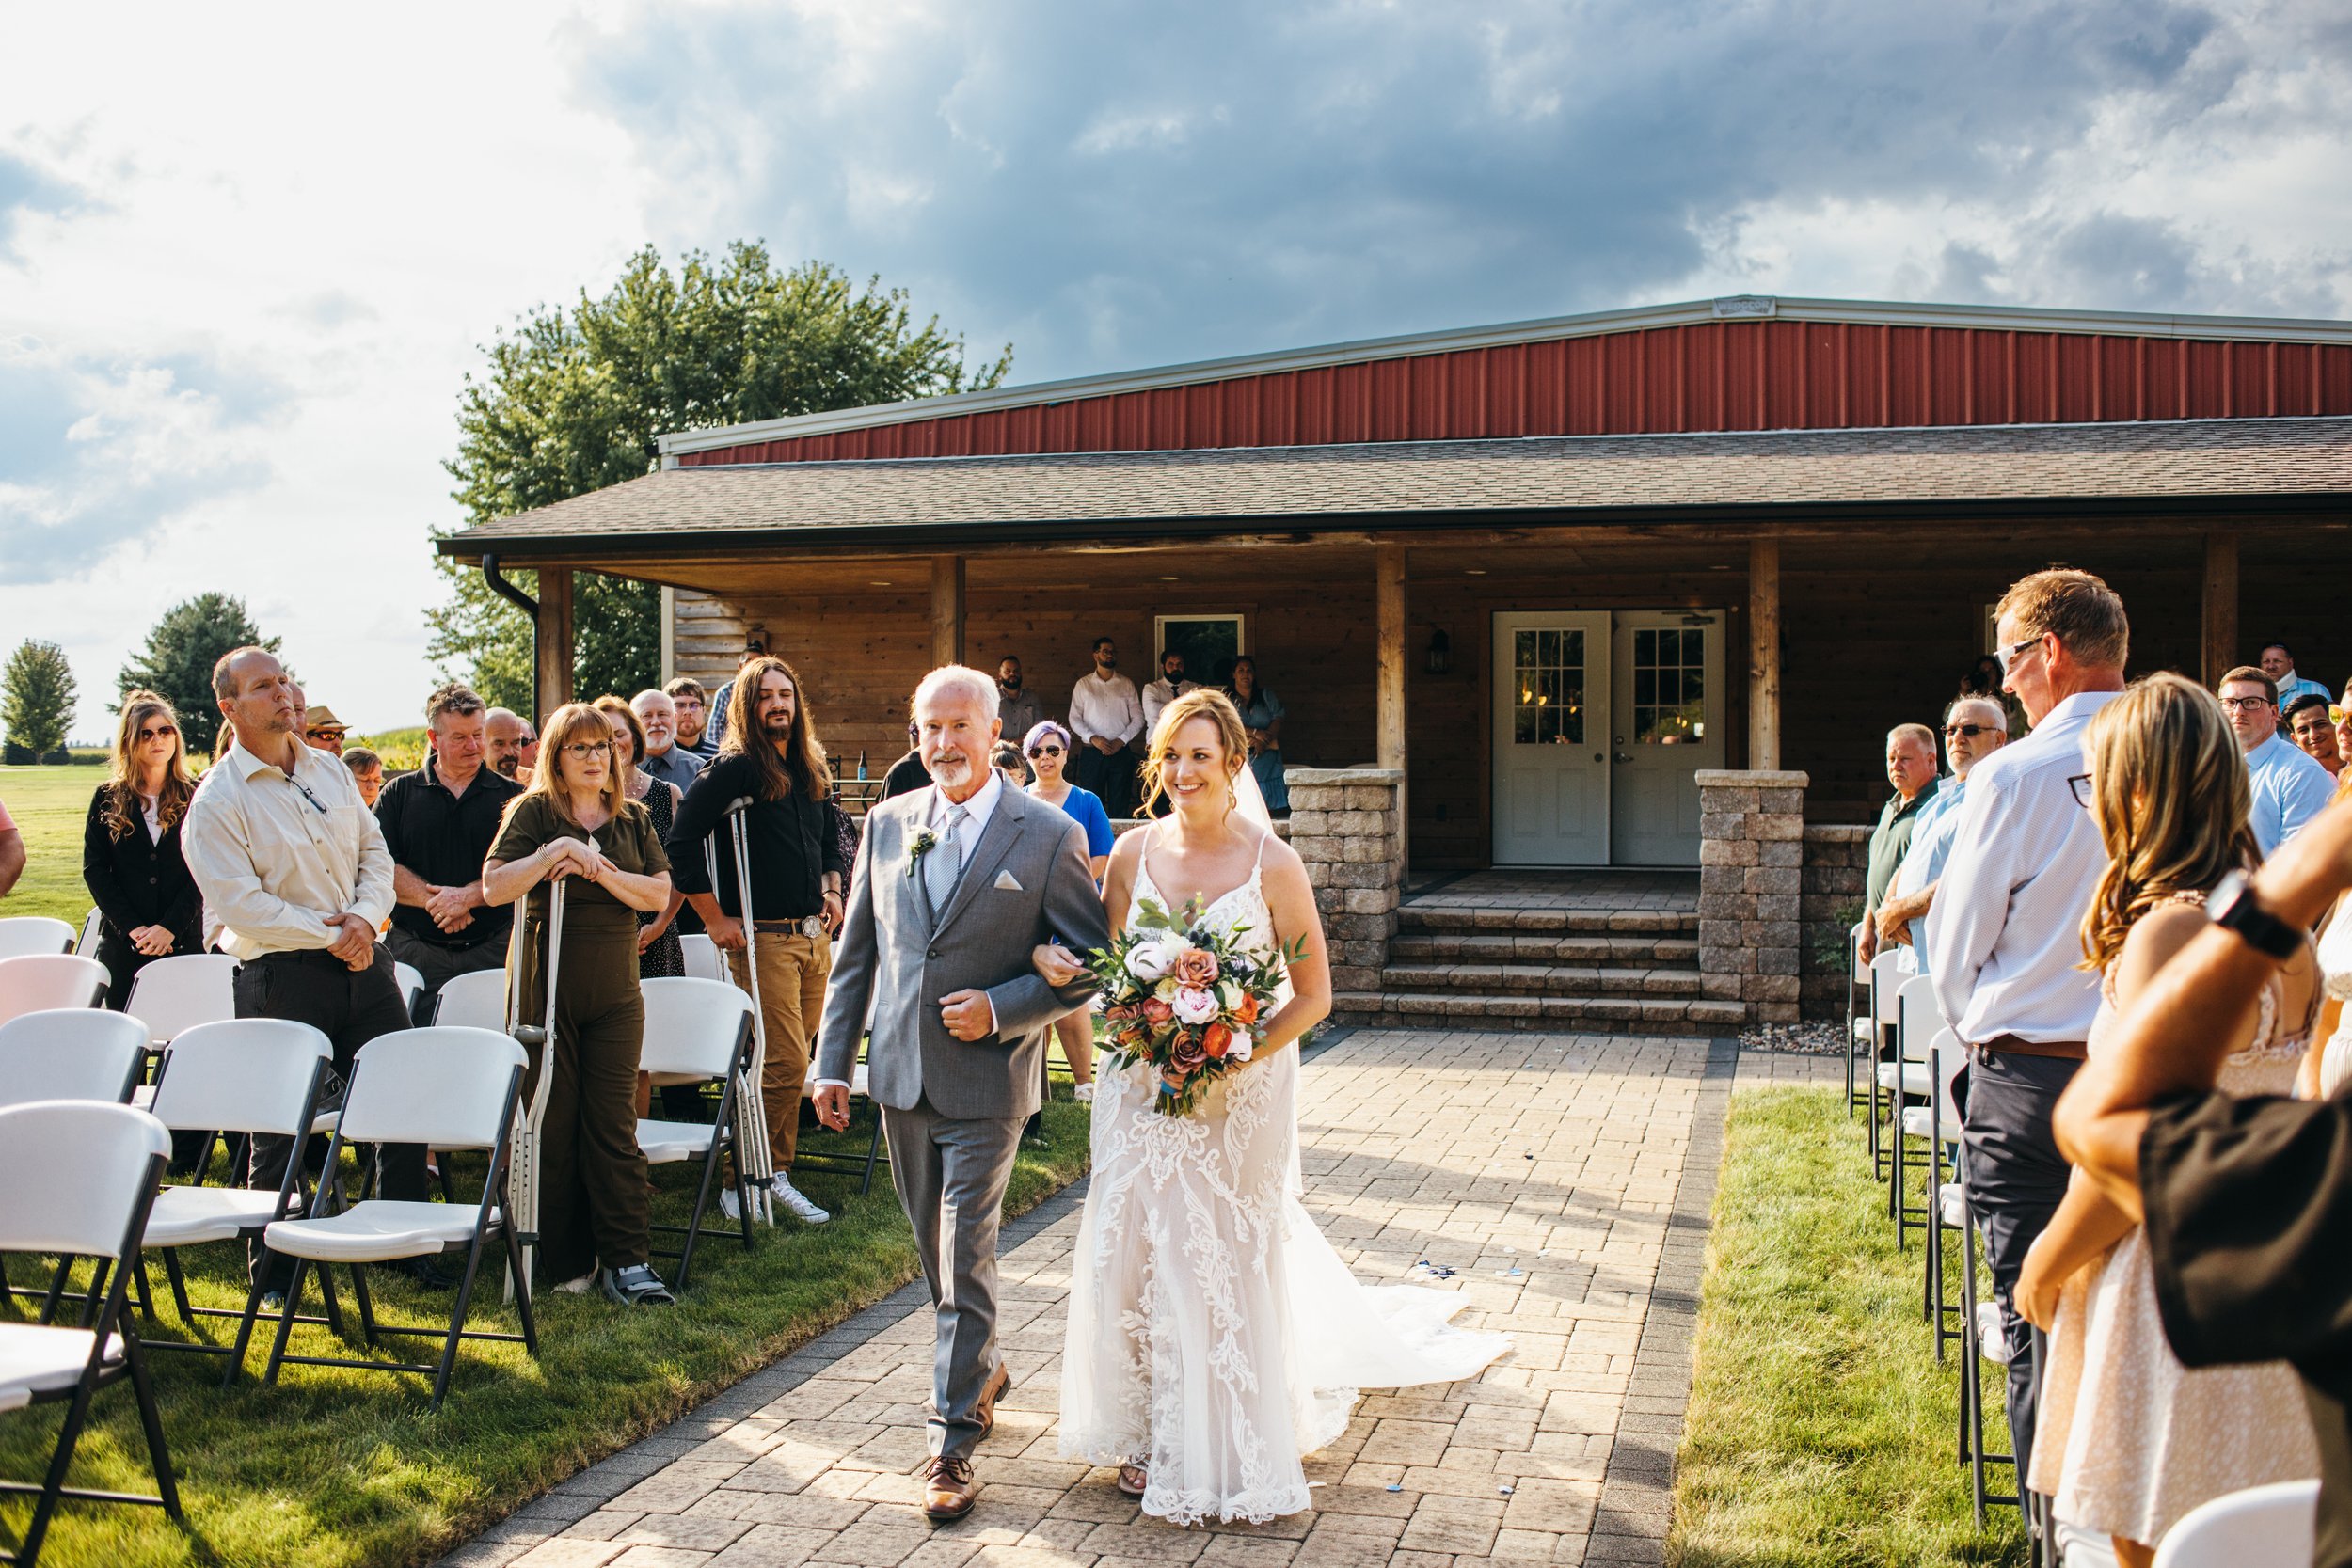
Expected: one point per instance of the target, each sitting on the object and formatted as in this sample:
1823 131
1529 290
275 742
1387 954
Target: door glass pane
1669 687
1548 688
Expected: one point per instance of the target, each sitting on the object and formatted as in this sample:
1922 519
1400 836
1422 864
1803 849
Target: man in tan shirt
296 881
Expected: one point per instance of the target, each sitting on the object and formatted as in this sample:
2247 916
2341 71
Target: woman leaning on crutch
574 822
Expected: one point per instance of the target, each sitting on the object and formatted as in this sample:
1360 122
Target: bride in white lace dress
1214 1338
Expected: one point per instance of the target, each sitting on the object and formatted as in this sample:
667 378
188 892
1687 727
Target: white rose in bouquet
1193 1005
1150 961
1243 1044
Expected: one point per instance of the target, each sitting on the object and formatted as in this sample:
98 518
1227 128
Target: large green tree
573 400
35 700
183 647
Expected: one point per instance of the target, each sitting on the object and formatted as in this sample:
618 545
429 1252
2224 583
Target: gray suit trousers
950 1173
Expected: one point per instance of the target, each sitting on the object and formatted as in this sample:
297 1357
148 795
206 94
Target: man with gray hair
1974 727
1910 769
955 885
665 758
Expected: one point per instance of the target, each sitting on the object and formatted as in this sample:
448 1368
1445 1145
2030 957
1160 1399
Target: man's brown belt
2009 1045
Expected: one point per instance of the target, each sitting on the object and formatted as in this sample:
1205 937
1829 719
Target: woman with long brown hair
131 861
575 822
2129 1439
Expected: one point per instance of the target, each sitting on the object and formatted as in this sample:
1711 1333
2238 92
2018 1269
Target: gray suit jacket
1027 882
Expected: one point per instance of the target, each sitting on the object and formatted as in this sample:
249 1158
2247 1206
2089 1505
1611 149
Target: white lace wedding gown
1215 1336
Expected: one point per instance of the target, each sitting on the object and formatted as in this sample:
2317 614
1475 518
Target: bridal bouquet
1185 998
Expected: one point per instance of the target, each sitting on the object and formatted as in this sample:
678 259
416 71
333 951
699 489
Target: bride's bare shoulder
1276 855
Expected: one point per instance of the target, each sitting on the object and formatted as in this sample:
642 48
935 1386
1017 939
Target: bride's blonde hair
1218 709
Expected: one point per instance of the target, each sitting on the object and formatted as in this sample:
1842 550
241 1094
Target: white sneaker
797 1207
727 1205
1083 1094
1992 1335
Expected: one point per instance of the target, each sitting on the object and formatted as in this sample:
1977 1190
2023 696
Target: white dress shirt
2004 936
1106 707
2289 788
1158 695
278 858
976 812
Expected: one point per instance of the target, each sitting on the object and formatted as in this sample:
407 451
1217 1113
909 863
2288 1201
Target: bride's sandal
1131 1479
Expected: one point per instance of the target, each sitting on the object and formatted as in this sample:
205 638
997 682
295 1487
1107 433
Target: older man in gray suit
955 885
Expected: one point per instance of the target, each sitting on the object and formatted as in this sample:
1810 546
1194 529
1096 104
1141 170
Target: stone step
1441 917
1539 979
1614 1014
1635 949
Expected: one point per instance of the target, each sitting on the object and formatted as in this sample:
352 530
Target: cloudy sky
245 266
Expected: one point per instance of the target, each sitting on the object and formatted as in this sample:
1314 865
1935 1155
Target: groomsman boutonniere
924 842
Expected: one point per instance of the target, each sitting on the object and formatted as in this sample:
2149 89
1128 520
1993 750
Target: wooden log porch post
1764 653
2220 607
554 641
947 609
1390 706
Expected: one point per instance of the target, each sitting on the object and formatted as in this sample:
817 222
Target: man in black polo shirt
439 823
770 757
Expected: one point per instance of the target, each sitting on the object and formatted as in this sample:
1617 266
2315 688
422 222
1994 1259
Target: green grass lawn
50 805
336 1467
1821 1428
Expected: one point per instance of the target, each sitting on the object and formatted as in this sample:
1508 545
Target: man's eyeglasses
1969 731
1044 750
583 749
161 731
2010 655
2245 705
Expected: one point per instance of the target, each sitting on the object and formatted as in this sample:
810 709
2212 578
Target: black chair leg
53 1484
359 1297
245 1330
873 1155
457 1320
179 1286
166 1484
522 1289
285 1321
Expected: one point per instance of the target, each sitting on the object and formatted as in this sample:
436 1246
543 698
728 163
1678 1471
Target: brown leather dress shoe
948 1489
985 1411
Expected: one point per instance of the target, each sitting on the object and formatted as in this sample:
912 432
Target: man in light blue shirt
2289 788
2278 662
1974 728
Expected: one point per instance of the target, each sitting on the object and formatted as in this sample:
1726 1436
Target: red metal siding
1714 376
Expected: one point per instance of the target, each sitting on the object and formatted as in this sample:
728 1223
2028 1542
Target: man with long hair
769 759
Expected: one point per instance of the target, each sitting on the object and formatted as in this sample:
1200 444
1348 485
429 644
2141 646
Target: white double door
1601 719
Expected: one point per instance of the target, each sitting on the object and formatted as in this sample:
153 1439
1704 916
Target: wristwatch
2234 907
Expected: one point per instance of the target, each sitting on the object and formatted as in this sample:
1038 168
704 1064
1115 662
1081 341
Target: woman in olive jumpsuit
575 822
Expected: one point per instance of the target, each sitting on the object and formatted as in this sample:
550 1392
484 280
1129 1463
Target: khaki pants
792 973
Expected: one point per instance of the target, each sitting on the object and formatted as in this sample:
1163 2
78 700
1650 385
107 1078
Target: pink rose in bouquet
1188 999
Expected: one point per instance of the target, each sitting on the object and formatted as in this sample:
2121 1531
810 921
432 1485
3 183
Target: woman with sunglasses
131 860
1047 747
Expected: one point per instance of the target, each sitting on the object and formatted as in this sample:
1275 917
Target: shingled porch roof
2260 466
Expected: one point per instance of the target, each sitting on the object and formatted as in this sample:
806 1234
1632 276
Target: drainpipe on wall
530 607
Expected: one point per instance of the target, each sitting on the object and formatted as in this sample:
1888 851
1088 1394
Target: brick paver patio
1565 1179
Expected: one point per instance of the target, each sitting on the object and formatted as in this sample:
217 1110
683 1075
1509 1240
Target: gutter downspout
530 607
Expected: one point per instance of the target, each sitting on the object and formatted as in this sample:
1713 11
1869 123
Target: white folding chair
72 1054
1937 1125
93 924
1886 984
40 981
696 1031
181 992
704 961
444 1087
2262 1525
22 935
1860 1031
410 981
476 1001
258 1076
79 1177
1905 1080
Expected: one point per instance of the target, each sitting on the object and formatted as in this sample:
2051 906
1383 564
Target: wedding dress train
1215 1337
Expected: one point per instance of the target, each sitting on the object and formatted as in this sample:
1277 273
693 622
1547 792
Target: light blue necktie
945 861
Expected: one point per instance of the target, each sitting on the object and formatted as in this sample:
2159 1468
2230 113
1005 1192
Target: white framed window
1210 644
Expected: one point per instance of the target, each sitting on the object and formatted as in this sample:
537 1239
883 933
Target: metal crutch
522 1189
753 1159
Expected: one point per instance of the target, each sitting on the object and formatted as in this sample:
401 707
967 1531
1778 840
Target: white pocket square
1006 884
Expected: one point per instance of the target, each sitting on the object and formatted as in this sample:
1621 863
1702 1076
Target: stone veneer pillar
1750 881
1348 825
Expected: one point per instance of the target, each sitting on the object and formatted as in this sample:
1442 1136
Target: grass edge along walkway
346 1469
1821 1428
